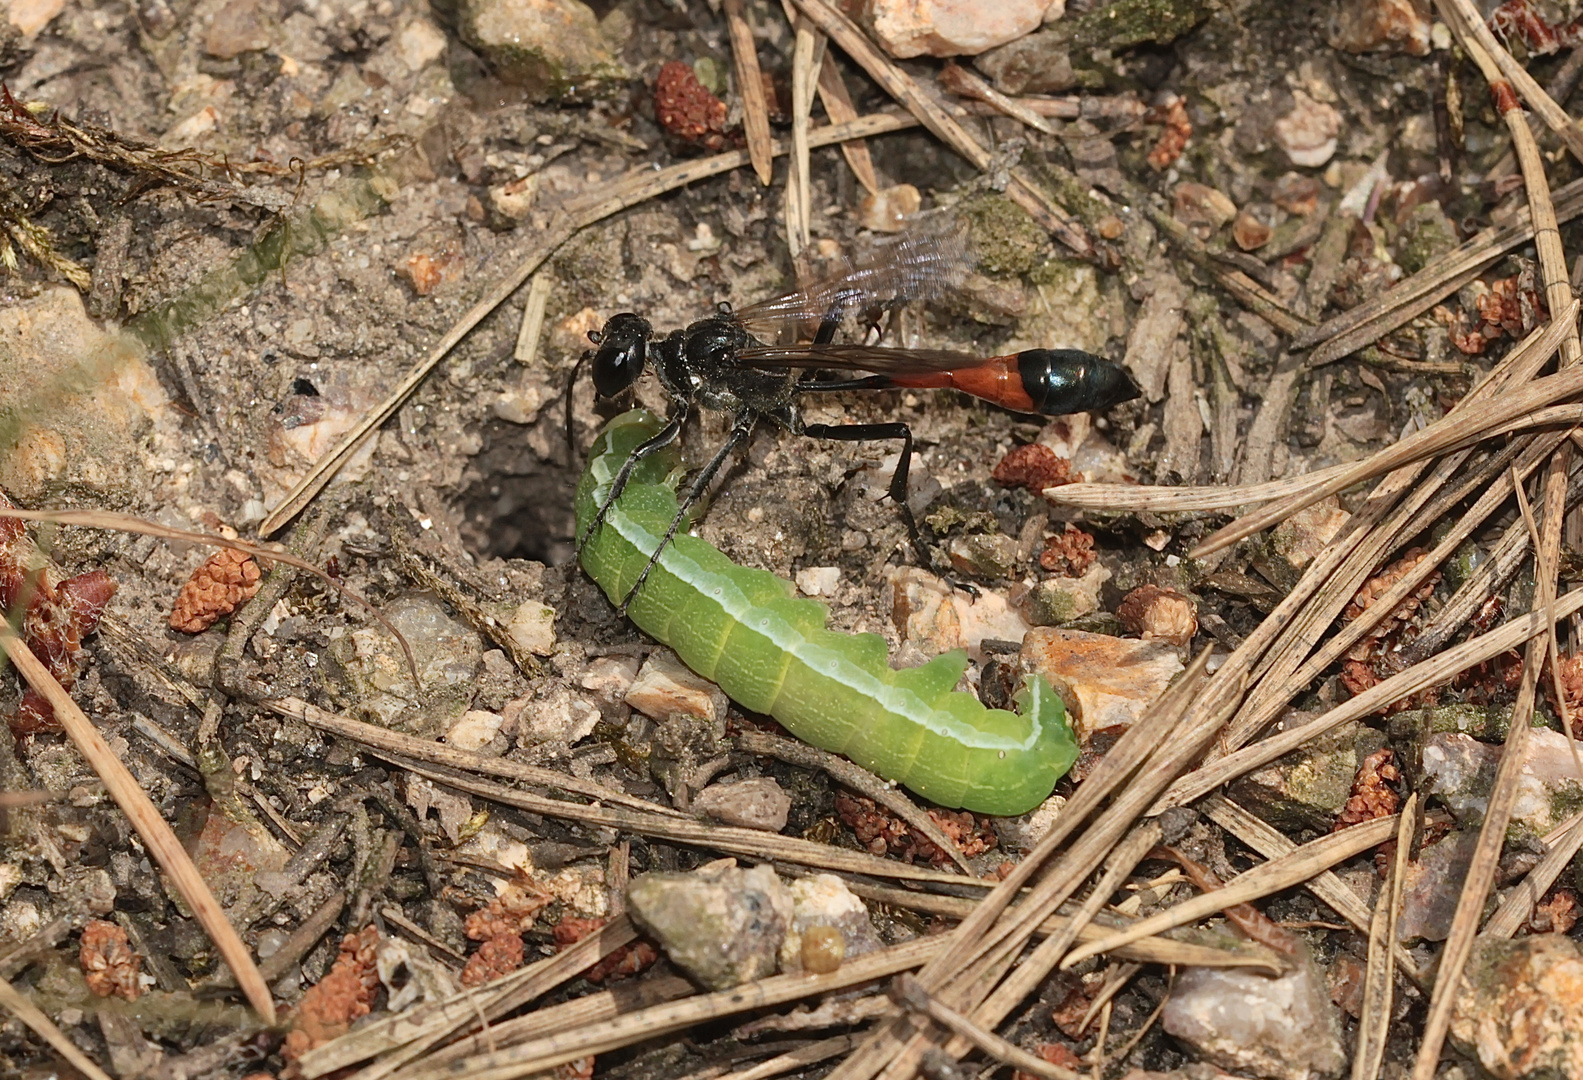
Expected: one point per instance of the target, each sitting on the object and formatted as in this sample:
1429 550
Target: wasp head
622 350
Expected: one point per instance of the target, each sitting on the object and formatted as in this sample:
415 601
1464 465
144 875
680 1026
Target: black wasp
718 363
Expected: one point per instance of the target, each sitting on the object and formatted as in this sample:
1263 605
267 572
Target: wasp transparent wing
916 266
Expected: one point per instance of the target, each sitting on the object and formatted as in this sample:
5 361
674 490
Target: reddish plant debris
512 912
1403 615
497 956
1033 466
876 831
880 832
1058 1054
1001 872
1360 675
1510 305
109 965
1570 671
1069 553
1345 978
1492 680
685 107
1068 1012
1518 19
631 959
226 581
1249 232
1557 913
1159 611
1488 615
55 618
1376 656
345 993
1372 796
1173 140
971 835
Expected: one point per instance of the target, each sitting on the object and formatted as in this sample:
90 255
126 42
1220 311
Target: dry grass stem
929 112
1547 235
1430 672
1463 426
838 106
1177 500
1280 682
146 819
440 754
1379 980
751 843
1519 903
1356 327
750 87
964 83
800 1058
1329 888
1170 733
1480 874
907 992
405 1036
567 1016
1155 950
1255 884
547 1051
527 348
807 58
1470 27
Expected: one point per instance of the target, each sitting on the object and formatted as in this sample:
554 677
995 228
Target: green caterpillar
770 651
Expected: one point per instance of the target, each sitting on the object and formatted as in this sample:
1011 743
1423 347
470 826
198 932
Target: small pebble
1249 232
823 949
666 688
759 803
819 580
888 209
720 924
1308 133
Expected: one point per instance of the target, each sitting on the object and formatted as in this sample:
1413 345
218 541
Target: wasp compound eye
623 350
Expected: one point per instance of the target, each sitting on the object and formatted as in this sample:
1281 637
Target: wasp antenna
571 402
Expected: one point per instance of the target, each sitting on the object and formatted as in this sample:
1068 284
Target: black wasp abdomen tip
1064 381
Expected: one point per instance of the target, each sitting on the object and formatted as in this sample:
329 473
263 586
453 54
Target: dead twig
750 87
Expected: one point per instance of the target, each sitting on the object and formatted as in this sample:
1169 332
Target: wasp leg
740 430
662 439
831 321
571 389
898 479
